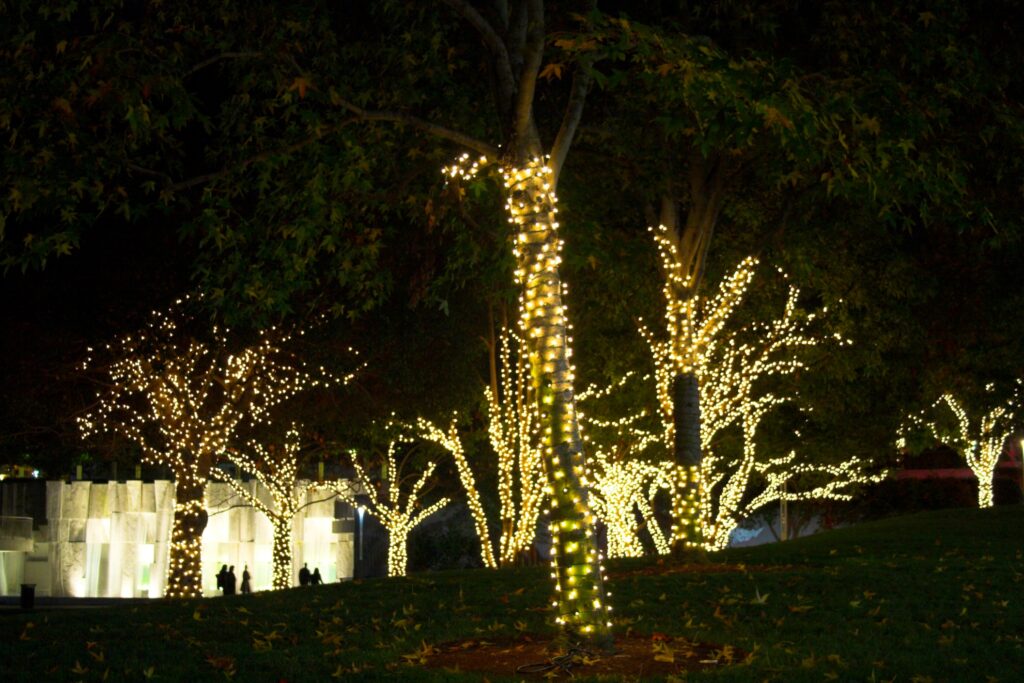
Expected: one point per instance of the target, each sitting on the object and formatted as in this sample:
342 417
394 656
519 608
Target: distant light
35 474
361 510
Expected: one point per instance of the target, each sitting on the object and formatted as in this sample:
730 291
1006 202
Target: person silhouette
304 575
246 586
221 576
229 581
315 579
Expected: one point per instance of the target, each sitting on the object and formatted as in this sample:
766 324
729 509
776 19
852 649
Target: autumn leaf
420 656
78 668
926 18
61 104
302 84
570 44
225 664
773 118
758 598
662 652
551 71
149 672
197 615
665 69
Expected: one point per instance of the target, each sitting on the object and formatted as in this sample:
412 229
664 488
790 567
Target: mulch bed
635 656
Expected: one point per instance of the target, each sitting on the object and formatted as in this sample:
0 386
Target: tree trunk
986 499
581 601
185 566
398 560
686 418
282 557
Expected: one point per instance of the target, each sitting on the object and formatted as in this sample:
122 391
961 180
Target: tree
624 488
182 399
741 124
512 429
981 443
386 505
515 45
276 468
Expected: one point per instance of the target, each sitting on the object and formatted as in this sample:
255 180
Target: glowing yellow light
981 445
182 401
386 505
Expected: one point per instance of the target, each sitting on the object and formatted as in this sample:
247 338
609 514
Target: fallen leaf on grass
421 655
78 668
225 664
662 652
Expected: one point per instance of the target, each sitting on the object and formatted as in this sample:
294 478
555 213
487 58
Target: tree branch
570 121
494 43
219 58
524 130
241 165
427 127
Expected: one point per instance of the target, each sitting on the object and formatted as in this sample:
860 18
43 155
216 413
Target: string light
277 470
981 444
514 438
532 209
727 371
182 401
386 505
621 490
531 205
451 442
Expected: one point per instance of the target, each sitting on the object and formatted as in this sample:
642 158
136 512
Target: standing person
316 579
246 587
221 577
229 581
304 575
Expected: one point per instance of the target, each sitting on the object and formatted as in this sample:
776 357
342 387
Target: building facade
111 539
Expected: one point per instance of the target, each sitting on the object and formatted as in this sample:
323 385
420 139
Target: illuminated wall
111 540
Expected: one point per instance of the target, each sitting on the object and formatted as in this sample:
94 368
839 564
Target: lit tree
513 435
981 443
730 368
385 504
622 489
733 488
515 40
182 400
450 441
276 468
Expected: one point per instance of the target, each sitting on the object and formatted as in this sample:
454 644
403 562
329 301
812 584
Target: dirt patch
532 657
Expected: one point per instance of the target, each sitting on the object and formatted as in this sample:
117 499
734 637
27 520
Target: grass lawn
930 597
